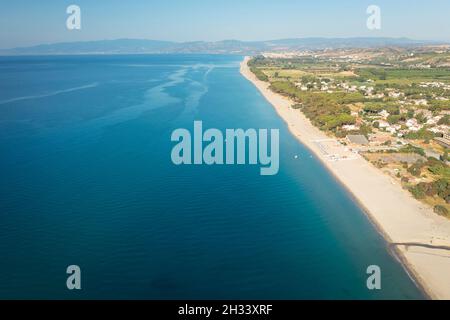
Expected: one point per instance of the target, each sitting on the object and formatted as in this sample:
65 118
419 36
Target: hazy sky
24 23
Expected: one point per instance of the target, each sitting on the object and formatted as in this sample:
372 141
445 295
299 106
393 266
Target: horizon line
230 39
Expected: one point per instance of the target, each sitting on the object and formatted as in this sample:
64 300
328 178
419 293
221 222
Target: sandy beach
419 237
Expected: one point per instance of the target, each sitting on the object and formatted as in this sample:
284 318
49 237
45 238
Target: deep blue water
87 179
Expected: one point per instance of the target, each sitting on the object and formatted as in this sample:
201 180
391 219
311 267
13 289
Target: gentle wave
50 94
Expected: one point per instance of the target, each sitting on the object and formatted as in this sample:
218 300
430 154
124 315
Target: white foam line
54 93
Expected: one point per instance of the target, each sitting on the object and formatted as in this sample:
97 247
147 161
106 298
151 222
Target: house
394 94
442 129
382 124
434 120
393 129
420 102
384 114
444 141
413 125
350 127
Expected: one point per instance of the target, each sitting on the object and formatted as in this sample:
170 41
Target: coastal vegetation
400 103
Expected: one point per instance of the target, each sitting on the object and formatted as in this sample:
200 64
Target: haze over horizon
24 24
228 40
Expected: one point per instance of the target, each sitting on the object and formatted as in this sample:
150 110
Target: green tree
444 157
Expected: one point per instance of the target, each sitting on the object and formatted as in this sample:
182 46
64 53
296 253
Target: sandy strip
397 215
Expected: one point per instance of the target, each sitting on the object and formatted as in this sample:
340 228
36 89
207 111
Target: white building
382 124
384 114
413 125
350 127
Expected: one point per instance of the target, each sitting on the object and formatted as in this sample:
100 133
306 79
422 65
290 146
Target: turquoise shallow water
87 179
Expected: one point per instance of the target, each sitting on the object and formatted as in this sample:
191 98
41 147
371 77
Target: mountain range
140 46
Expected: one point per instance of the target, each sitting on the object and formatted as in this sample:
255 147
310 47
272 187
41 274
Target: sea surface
87 179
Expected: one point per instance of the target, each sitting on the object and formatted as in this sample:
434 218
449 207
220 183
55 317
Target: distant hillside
122 46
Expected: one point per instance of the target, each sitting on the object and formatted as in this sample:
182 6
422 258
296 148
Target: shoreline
395 214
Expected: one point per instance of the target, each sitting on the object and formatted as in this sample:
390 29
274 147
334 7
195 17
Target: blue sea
87 179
